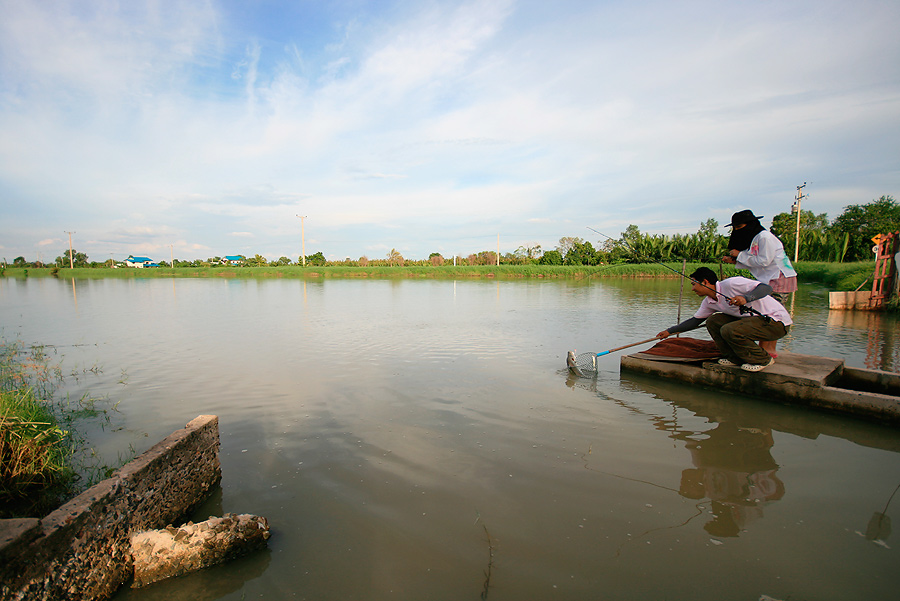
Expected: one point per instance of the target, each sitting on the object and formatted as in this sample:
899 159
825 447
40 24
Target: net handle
619 348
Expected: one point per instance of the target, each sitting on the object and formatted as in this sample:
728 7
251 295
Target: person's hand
728 259
737 301
734 252
663 334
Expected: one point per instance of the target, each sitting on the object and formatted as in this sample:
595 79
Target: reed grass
35 450
44 460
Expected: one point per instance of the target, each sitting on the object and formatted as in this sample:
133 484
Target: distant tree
707 244
610 251
436 259
566 243
317 259
581 253
486 257
78 259
710 227
528 253
632 235
259 261
551 257
364 261
863 222
784 225
395 257
19 262
282 261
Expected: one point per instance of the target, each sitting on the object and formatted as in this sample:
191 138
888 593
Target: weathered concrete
858 300
83 549
15 535
161 554
807 380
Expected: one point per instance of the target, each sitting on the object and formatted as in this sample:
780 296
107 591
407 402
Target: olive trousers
737 337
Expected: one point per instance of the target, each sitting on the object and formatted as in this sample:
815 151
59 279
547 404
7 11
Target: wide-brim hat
745 216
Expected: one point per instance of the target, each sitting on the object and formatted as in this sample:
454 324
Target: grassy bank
835 276
44 459
35 451
503 272
839 277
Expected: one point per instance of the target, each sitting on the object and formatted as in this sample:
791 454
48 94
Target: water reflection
205 585
881 337
879 528
732 464
406 439
735 470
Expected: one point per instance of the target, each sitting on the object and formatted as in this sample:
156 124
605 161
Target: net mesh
584 365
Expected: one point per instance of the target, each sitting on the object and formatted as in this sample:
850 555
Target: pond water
419 440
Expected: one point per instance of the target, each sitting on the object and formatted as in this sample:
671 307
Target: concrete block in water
161 554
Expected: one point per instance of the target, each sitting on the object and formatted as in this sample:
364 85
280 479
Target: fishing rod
743 308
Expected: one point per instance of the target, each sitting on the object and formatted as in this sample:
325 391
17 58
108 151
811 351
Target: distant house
233 260
140 262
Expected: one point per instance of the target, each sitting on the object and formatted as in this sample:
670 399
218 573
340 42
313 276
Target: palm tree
395 257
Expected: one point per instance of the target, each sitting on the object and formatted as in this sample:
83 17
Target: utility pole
172 252
498 250
71 262
796 207
302 241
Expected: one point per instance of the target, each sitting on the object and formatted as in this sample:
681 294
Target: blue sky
206 128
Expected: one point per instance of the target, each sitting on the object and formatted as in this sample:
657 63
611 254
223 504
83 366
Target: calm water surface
419 440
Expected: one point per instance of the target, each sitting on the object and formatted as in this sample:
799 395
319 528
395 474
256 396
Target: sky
197 129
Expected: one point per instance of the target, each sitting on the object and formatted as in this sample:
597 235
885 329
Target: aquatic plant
43 458
35 471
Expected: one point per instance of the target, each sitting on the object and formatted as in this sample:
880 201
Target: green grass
35 451
506 272
43 459
839 277
836 276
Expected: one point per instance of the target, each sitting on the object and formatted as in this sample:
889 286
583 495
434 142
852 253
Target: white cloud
135 124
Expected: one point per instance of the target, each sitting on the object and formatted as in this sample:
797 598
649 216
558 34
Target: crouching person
736 332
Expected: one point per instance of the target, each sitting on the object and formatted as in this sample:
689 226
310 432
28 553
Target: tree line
847 238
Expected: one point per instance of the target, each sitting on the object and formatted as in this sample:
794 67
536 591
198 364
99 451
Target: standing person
759 251
736 332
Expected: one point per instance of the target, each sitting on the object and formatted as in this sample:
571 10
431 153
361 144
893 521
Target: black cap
745 216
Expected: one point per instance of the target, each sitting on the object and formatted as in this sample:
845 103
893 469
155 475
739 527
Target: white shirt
765 259
740 286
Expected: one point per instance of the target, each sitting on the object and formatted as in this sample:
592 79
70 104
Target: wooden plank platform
817 382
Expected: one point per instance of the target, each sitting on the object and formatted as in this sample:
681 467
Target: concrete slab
793 368
794 378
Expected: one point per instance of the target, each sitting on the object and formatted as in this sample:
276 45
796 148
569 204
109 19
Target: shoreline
840 276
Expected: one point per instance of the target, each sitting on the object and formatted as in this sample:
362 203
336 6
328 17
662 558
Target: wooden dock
816 382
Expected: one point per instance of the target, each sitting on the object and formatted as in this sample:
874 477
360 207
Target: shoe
727 362
754 367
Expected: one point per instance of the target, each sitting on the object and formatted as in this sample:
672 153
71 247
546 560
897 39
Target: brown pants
737 337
